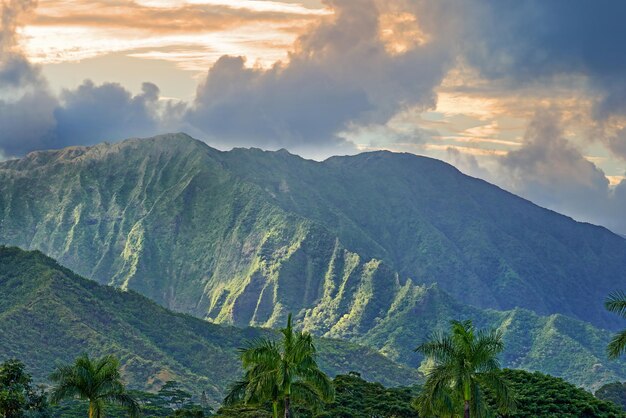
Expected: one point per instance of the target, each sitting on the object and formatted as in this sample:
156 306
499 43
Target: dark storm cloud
86 115
533 41
91 114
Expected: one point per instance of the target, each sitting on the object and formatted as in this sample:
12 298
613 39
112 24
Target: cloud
617 142
26 124
32 118
70 31
533 42
341 73
550 169
15 70
26 106
91 114
170 17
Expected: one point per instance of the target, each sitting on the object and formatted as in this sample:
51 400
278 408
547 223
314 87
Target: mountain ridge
246 236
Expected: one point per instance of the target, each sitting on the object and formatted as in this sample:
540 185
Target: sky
529 95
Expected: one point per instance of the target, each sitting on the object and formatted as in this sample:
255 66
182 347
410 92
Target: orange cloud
62 30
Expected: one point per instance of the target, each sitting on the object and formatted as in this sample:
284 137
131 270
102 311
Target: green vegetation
465 364
98 381
613 392
49 315
282 373
540 395
352 246
616 303
357 398
537 395
354 398
18 397
169 401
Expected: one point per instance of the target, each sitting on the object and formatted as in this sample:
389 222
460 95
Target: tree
17 395
616 303
614 392
98 382
281 372
465 363
173 393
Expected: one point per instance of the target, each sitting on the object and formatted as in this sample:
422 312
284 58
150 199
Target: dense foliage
170 401
613 392
18 397
354 398
540 395
245 236
357 398
49 315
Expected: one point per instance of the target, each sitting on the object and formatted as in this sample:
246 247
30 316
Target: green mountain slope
429 222
351 245
555 344
222 234
49 314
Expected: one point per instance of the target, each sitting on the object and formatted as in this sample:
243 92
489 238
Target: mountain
49 315
555 344
379 248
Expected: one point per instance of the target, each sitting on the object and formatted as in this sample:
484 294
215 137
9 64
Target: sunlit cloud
261 6
476 151
615 180
191 33
400 32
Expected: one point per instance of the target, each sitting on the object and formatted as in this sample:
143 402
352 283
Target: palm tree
281 372
465 363
616 303
97 381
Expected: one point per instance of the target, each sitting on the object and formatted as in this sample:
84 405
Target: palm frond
504 397
318 380
126 401
617 346
616 303
438 398
478 406
236 392
307 394
260 351
440 347
62 391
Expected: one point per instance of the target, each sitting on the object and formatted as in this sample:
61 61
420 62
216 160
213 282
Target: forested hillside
49 315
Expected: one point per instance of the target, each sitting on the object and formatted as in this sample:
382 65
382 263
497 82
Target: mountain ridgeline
379 248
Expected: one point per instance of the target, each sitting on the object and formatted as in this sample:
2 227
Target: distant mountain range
49 315
379 248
